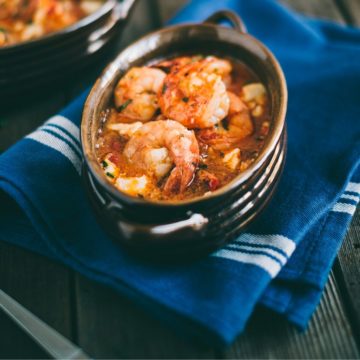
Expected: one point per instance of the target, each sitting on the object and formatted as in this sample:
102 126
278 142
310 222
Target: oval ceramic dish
33 63
202 224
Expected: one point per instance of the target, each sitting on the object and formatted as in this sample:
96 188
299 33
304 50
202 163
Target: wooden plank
113 327
347 269
26 116
350 9
15 344
349 256
323 9
40 285
169 8
329 334
349 266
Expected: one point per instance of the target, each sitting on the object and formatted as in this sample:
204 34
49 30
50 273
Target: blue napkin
284 259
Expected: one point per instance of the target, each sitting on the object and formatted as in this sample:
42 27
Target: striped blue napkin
283 260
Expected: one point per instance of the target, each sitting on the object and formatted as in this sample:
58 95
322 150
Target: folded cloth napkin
284 258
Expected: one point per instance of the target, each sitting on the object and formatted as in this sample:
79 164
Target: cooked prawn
194 97
169 65
158 144
239 126
220 67
136 93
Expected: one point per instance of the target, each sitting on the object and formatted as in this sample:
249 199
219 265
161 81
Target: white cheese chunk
132 185
254 92
232 158
126 129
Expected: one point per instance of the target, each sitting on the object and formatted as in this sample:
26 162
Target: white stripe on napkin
62 134
350 197
278 241
266 263
353 187
57 144
273 253
344 208
254 249
66 124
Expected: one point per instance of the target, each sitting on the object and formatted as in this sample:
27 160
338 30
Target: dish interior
220 106
242 49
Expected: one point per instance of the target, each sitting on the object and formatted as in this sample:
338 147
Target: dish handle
229 16
192 226
195 223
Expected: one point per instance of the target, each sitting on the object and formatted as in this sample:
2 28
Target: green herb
104 164
203 166
124 105
226 125
110 175
5 32
164 88
185 99
260 138
222 154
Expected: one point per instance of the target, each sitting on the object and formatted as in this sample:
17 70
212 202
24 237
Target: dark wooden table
107 325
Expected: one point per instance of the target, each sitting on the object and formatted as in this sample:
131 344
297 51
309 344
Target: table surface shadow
107 325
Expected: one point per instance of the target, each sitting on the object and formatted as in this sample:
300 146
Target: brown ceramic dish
201 224
34 63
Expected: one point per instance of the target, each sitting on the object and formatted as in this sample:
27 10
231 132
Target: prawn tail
180 178
217 140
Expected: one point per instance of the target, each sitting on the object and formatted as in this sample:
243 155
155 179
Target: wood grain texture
349 271
168 8
350 9
107 325
23 118
329 334
40 285
323 9
113 327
